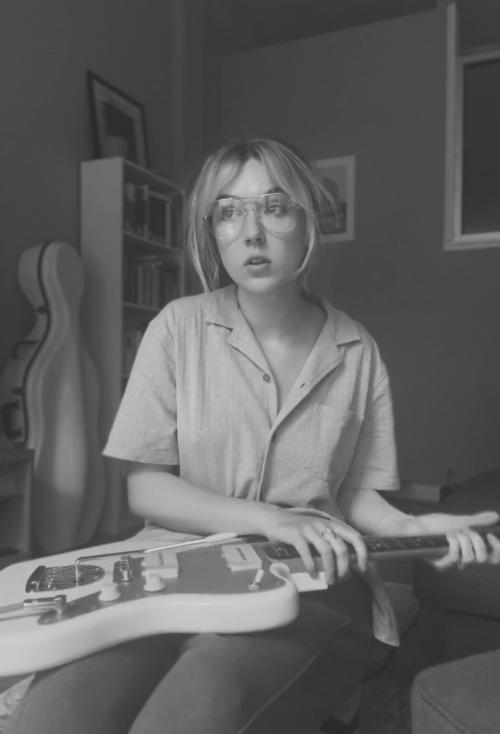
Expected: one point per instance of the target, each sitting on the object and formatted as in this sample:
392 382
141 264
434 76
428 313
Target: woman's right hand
335 541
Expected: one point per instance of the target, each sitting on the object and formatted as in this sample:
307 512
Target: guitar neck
415 545
380 547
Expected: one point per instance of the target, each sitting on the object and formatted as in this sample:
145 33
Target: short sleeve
145 426
374 463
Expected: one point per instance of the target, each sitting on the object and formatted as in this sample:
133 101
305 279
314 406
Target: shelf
138 174
6 553
9 556
12 456
14 494
141 310
15 502
9 481
124 272
140 245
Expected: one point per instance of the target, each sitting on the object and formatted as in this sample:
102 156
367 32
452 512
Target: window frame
454 238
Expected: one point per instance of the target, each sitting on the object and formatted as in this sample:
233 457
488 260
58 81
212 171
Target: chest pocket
329 441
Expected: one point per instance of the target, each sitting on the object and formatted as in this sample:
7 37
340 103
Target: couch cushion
458 698
475 589
479 492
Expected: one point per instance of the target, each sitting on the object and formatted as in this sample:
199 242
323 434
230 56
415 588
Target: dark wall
378 92
45 125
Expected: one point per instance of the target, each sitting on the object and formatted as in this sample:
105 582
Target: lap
210 683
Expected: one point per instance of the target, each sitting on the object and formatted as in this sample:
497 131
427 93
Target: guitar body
49 399
61 608
193 591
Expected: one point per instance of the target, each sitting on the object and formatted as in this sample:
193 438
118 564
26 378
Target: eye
276 205
228 210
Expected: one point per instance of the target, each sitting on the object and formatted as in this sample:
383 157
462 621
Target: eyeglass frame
243 199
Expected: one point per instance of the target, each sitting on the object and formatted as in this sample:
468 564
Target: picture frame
338 177
118 121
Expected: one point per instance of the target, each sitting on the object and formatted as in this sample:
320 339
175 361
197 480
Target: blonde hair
288 170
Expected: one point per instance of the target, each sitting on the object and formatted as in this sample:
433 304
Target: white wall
378 92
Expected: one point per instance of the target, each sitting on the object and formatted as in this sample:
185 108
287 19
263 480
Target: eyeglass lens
276 211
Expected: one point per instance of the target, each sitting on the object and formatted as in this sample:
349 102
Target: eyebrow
273 190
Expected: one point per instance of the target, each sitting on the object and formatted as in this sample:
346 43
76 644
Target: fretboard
382 547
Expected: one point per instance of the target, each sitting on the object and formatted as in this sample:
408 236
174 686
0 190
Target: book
159 214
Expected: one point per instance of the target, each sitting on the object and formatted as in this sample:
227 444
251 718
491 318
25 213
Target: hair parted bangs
287 169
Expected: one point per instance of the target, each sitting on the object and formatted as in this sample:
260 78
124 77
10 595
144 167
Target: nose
252 228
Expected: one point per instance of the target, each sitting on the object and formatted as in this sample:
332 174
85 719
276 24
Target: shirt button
266 377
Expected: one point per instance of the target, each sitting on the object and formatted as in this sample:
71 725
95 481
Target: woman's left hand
466 545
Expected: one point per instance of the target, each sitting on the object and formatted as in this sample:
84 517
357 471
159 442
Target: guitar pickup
164 563
241 557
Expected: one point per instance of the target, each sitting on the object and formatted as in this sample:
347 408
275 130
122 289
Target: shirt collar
222 309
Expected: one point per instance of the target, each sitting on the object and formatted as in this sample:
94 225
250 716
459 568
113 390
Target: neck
274 312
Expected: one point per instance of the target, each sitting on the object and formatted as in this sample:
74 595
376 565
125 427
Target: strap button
266 377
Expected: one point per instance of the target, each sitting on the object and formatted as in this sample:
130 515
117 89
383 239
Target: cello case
49 402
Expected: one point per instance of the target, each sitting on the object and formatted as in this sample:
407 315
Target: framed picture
337 176
119 122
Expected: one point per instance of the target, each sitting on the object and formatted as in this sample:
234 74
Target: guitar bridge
56 578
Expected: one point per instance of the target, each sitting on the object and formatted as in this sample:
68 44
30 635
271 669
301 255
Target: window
473 146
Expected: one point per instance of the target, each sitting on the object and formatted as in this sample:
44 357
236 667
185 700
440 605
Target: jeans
289 679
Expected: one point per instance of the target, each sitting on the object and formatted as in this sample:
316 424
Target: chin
264 286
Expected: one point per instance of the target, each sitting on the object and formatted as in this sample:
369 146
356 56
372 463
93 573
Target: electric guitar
61 608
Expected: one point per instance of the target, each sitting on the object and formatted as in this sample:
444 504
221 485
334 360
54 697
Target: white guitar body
127 591
228 588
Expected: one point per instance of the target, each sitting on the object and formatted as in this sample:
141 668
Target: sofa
459 697
461 693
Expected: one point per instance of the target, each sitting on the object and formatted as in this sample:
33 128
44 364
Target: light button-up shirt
201 396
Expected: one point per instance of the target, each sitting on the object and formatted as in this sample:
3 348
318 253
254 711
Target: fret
384 545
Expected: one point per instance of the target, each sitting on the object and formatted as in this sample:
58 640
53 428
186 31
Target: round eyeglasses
276 211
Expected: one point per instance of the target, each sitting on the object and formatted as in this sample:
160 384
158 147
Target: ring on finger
327 534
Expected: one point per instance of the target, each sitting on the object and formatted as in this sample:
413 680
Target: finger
494 549
478 547
322 544
480 518
354 539
451 557
302 547
341 553
467 555
442 523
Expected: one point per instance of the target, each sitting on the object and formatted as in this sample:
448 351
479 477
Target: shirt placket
324 358
243 340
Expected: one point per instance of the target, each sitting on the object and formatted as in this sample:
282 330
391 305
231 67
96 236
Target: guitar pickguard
115 595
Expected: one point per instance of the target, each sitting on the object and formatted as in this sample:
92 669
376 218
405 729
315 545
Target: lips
257 260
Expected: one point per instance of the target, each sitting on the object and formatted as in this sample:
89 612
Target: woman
255 408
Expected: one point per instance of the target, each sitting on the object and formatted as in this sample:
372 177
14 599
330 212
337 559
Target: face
257 260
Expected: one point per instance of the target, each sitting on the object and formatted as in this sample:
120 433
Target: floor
385 707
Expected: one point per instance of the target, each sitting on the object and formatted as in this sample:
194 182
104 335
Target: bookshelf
131 246
16 465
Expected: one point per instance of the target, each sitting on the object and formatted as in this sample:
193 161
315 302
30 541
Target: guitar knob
110 591
153 582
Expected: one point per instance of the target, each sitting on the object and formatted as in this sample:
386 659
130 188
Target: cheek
297 250
226 254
